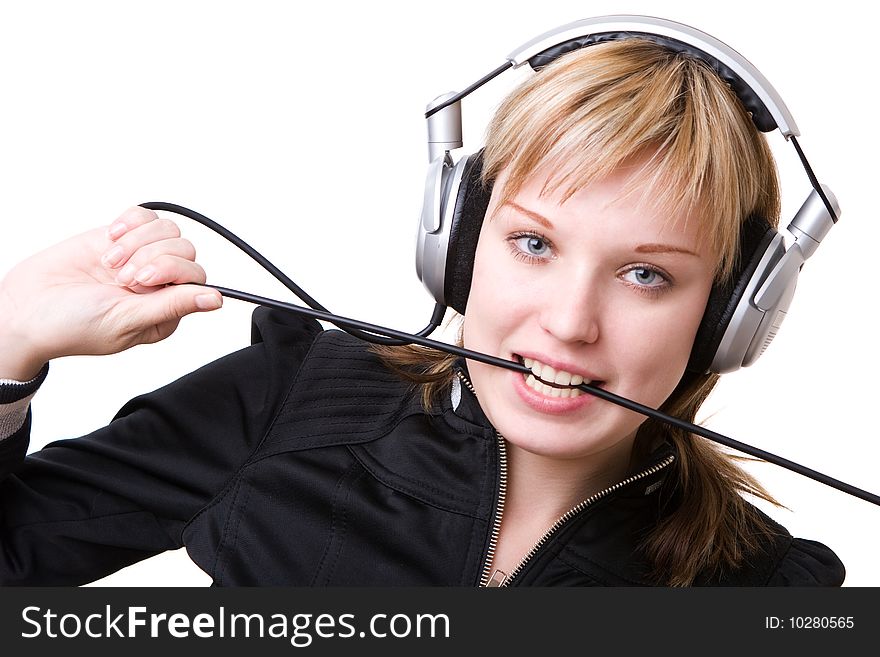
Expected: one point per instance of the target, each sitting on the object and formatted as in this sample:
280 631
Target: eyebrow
537 218
663 248
641 248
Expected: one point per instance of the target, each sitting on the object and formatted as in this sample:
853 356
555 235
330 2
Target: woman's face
601 287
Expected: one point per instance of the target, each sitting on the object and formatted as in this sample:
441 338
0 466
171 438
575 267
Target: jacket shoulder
783 560
808 563
341 393
800 561
276 328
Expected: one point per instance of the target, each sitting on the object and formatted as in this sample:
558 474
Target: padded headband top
753 89
761 116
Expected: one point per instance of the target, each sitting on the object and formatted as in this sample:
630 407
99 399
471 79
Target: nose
571 309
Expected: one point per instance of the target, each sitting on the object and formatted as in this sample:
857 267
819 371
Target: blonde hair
583 116
596 109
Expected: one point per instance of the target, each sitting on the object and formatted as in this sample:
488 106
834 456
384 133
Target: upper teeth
550 375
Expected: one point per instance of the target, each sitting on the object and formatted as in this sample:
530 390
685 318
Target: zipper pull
498 578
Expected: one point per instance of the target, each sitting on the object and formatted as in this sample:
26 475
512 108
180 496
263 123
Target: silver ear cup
751 328
435 225
768 295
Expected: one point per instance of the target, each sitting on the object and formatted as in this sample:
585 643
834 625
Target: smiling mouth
552 382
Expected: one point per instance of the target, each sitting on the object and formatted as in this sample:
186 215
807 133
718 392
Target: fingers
147 254
169 261
146 250
149 229
128 220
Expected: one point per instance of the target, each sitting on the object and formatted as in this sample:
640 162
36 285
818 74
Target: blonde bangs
600 108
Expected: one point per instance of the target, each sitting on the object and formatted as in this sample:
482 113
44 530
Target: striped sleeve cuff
15 398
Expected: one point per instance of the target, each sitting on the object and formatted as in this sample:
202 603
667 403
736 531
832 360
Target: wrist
20 367
20 360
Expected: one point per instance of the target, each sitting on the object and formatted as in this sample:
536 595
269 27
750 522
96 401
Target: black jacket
302 461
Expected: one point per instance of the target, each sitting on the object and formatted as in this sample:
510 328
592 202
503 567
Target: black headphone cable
436 317
373 333
347 323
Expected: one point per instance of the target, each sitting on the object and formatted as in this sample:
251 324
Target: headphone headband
757 94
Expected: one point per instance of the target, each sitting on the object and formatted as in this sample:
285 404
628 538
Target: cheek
658 350
665 359
494 303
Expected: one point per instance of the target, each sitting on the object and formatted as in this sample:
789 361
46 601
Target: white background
299 125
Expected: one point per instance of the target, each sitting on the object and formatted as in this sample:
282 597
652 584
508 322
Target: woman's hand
99 293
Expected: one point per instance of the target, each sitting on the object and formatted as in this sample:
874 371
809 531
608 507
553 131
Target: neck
548 487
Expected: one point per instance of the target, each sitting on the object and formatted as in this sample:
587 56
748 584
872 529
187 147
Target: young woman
623 178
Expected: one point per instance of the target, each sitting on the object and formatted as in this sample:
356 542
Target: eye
646 278
530 246
533 245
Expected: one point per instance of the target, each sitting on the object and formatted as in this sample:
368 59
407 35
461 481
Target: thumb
172 302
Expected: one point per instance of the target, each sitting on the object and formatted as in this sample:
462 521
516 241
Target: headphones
744 312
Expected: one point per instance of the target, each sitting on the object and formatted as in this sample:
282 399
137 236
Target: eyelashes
534 248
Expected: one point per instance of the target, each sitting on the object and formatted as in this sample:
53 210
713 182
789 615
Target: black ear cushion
471 204
755 237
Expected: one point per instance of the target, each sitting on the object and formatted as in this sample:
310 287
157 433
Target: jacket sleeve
15 419
82 508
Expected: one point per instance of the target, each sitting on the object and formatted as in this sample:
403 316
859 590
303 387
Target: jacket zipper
502 495
504 580
499 512
499 578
